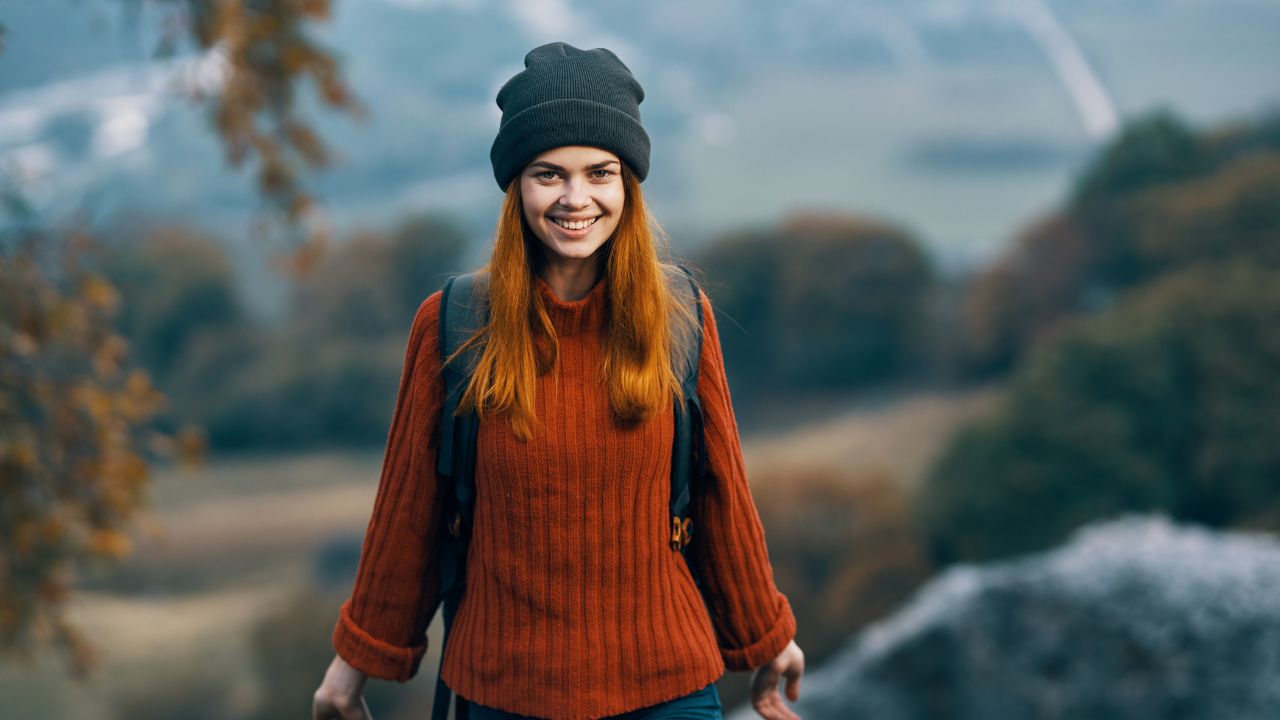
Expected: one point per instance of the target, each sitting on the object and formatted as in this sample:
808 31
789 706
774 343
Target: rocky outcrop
1131 618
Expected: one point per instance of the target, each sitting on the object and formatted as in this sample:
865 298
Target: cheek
531 202
618 198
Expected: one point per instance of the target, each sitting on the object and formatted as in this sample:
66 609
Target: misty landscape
997 288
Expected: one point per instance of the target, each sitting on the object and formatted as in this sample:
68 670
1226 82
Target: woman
575 605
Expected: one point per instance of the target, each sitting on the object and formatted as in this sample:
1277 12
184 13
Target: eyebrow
594 166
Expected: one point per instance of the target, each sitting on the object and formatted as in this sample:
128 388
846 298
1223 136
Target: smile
578 225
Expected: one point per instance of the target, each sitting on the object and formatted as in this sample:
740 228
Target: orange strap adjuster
681 532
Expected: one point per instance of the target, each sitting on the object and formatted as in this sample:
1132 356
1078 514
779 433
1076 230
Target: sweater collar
576 316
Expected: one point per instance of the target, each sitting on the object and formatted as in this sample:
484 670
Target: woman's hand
339 696
764 683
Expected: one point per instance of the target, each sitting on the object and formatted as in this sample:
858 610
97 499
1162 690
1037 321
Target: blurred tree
1235 212
74 441
1020 297
820 301
1151 149
372 285
73 417
174 286
1165 402
322 377
260 52
1158 199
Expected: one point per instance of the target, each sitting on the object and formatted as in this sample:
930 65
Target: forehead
576 156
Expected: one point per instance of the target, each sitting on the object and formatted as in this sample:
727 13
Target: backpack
463 310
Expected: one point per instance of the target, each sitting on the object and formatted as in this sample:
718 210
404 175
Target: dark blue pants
701 704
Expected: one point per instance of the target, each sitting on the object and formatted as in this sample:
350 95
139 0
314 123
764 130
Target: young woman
575 605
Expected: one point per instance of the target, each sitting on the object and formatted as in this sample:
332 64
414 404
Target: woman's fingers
325 707
765 697
793 673
793 687
770 706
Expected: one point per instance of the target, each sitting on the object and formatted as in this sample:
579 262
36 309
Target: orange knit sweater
575 604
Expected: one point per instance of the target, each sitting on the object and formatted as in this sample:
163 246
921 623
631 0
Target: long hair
648 332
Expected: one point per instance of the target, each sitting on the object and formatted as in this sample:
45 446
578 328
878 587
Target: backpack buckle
681 532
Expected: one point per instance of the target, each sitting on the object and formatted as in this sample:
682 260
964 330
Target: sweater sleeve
753 620
381 627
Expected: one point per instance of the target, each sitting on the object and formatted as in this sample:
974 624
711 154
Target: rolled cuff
767 647
371 656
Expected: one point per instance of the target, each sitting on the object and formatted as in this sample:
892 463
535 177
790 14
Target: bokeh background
998 284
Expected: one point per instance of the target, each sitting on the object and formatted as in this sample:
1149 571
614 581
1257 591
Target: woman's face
573 184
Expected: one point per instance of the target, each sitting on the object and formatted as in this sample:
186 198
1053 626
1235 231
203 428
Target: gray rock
1135 617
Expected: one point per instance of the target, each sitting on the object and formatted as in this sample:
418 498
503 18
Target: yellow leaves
18 453
109 356
307 143
193 445
301 261
73 468
110 543
188 447
99 294
140 400
95 401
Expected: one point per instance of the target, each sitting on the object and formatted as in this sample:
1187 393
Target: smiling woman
577 600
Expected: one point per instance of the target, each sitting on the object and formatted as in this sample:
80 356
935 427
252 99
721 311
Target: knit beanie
567 96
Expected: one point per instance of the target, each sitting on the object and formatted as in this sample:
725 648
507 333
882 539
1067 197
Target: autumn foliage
75 445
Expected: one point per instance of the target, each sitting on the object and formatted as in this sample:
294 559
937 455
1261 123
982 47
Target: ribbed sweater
575 605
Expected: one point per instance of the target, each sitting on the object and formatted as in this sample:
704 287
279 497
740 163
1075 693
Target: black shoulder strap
687 456
464 308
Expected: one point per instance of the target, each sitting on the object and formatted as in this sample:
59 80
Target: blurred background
998 283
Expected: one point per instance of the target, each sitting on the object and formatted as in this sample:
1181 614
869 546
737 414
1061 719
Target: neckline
571 317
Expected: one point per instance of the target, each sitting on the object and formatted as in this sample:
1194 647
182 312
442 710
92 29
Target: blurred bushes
818 302
327 374
1158 198
845 551
1165 398
176 288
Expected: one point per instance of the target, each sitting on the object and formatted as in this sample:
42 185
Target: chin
576 253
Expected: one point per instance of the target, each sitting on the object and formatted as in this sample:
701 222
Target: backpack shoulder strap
687 459
464 309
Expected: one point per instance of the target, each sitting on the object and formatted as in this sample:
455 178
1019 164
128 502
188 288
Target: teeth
575 225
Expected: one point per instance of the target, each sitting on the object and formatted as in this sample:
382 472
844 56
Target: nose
575 194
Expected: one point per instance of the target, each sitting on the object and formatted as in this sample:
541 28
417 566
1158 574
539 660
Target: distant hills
961 120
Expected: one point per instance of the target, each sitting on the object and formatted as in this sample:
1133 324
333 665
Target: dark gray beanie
567 96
